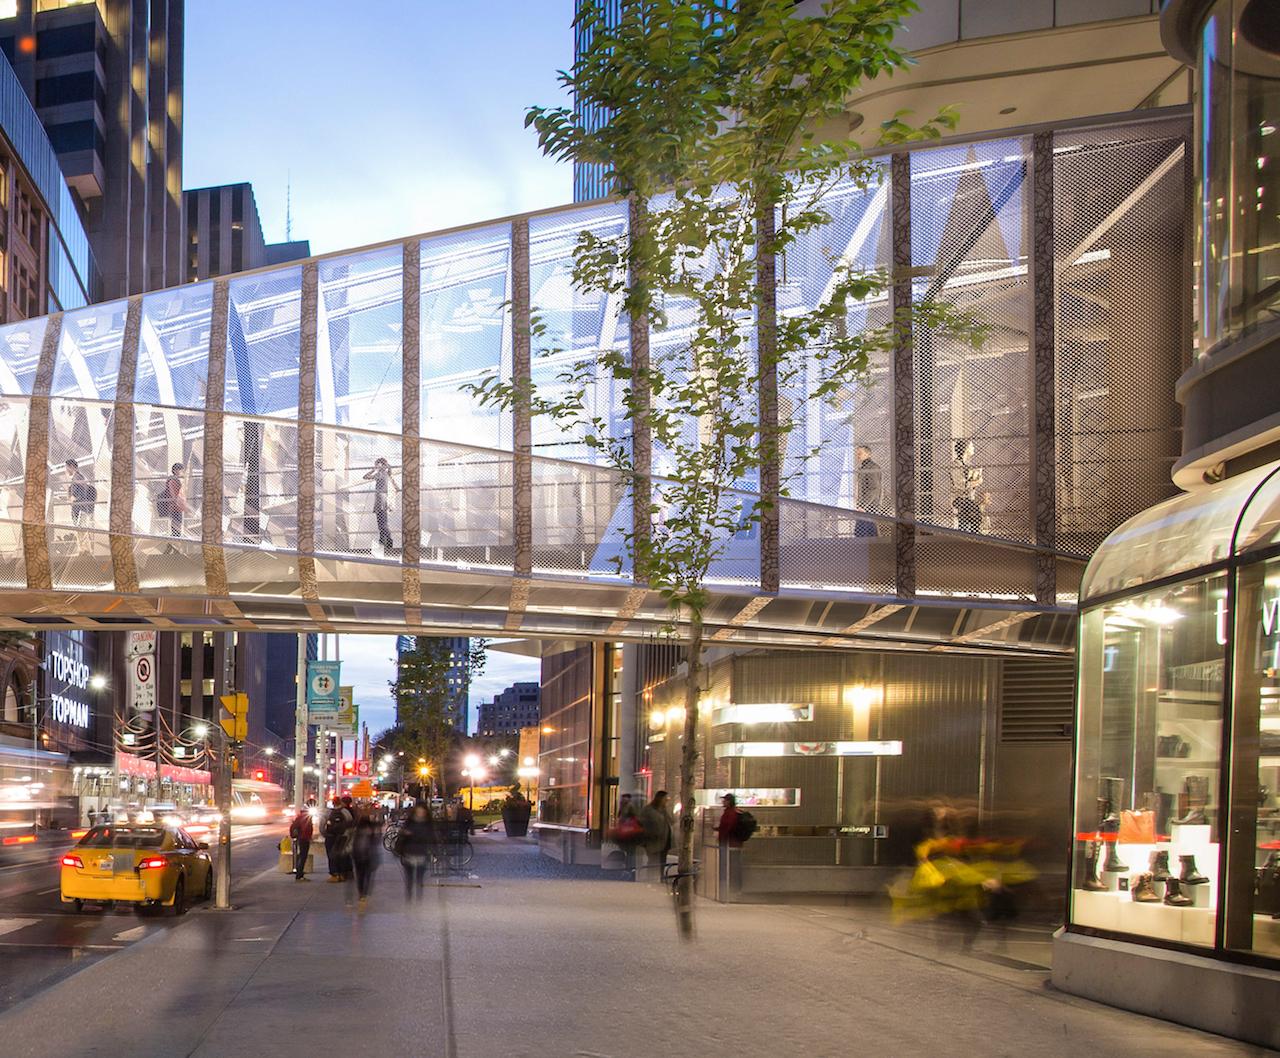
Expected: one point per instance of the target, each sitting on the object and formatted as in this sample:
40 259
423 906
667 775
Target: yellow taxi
143 864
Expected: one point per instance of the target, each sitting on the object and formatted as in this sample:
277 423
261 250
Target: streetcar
254 801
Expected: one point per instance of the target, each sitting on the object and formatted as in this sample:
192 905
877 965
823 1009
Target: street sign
235 719
142 683
363 788
141 643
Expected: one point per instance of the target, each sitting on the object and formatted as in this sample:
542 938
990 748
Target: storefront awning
1188 532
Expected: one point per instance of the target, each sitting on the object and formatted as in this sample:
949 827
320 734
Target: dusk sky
408 119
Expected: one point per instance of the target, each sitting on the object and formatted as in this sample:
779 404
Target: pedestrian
728 830
966 480
170 503
869 494
301 831
83 493
381 476
413 846
93 816
659 829
337 840
364 857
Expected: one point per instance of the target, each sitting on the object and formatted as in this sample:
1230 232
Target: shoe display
1091 882
1143 890
1173 894
1195 799
1159 865
1189 875
1172 746
1113 864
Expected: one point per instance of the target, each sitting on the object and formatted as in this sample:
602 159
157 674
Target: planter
515 820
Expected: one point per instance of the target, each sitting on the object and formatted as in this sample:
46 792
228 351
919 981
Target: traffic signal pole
300 728
222 862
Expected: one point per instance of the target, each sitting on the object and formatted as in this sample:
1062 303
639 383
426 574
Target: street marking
46 892
131 934
9 925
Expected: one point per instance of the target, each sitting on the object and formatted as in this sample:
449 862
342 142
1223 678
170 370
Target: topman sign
68 672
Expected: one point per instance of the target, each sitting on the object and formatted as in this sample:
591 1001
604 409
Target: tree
713 109
424 728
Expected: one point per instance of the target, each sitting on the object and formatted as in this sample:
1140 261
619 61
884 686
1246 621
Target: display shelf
1120 913
1188 762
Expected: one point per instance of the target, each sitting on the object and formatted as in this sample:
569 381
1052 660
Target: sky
386 119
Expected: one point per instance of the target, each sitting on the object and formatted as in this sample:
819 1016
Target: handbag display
1137 828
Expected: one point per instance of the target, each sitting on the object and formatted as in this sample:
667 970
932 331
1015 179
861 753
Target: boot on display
1113 864
1189 875
1091 882
1173 894
1159 865
1144 890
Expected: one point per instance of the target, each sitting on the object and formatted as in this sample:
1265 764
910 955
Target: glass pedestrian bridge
205 455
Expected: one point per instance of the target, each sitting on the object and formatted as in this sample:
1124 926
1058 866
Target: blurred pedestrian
727 828
364 857
171 503
659 828
338 834
381 477
301 831
413 846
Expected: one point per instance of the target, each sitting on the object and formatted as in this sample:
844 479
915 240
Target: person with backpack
339 829
734 828
301 831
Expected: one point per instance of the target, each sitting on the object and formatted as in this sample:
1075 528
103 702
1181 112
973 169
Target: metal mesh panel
357 503
466 333
175 565
15 414
958 564
1119 219
163 438
20 345
467 518
260 483
89 352
263 343
968 220
173 354
578 325
824 548
358 358
80 433
819 462
580 516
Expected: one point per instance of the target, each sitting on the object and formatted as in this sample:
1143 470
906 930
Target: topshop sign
67 667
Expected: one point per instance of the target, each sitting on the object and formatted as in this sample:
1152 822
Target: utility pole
300 727
222 875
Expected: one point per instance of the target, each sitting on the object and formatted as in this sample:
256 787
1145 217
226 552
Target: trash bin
286 857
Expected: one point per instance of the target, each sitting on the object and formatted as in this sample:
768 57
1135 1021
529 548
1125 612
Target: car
150 866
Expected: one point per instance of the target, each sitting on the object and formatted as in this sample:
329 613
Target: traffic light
260 775
235 718
348 768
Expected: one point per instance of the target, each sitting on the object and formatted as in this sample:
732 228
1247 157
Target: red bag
629 831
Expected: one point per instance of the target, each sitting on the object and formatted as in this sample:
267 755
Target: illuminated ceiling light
657 719
762 713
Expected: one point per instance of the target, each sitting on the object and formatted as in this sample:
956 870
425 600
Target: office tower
224 233
106 81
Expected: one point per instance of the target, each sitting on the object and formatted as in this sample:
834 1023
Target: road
42 939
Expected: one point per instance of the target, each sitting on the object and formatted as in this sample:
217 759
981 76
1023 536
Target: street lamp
98 682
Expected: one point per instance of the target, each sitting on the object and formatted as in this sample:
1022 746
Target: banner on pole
322 691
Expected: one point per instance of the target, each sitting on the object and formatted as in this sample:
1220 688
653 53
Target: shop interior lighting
890 748
762 713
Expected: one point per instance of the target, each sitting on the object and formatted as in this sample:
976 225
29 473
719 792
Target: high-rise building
45 260
457 678
515 708
224 233
106 80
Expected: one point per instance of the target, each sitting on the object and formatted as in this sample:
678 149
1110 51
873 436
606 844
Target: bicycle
389 836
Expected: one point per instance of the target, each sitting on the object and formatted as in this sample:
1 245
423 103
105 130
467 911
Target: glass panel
358 360
263 343
14 417
580 516
578 325
465 333
1259 525
1253 874
824 548
467 519
173 356
968 221
20 345
1149 763
79 491
168 472
358 488
1180 534
89 352
821 463
260 484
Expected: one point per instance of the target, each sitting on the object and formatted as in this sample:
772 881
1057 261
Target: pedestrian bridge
274 394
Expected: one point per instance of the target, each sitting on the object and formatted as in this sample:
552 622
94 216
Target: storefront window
1149 764
1253 877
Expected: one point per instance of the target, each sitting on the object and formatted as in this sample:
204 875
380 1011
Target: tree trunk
688 767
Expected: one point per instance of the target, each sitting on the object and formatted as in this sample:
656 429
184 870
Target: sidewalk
531 958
